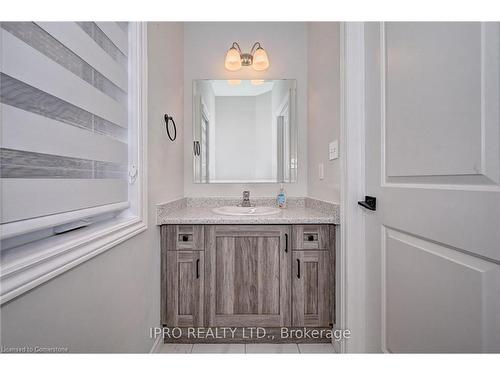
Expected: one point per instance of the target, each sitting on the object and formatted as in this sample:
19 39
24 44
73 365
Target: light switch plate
321 170
333 150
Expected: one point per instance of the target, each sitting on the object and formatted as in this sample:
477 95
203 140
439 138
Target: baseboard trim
336 346
156 345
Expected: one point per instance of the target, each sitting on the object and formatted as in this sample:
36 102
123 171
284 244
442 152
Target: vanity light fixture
257 58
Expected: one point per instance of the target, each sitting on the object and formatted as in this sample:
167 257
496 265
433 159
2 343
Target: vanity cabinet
248 275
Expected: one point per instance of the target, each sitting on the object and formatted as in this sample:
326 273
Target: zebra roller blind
63 107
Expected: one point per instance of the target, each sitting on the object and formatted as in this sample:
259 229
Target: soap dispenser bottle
281 199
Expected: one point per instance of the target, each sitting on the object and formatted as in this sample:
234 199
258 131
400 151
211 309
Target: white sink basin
245 211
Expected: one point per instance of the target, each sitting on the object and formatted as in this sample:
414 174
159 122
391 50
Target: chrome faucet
246 199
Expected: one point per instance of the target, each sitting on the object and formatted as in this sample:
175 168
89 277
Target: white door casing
432 131
351 256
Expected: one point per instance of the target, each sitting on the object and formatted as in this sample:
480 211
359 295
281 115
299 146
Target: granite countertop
199 211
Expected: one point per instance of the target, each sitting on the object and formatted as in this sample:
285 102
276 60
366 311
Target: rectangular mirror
244 131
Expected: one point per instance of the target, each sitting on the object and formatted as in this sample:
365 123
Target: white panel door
432 160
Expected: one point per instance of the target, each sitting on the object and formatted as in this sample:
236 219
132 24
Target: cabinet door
183 302
312 288
248 276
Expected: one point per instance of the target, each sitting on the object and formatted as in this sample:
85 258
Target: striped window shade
64 115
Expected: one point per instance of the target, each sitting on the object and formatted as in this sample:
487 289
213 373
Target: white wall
244 132
265 135
109 303
234 120
324 108
166 89
208 99
204 50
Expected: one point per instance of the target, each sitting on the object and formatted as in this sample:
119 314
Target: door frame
205 116
283 109
352 269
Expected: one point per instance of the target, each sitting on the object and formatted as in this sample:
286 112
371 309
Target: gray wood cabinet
248 275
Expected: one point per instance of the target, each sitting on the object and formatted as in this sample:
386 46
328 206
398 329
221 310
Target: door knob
370 203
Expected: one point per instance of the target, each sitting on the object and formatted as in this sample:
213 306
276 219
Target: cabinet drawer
183 237
310 237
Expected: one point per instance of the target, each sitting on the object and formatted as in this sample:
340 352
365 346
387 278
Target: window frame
27 266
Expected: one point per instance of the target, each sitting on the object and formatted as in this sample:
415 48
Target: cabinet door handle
298 269
197 268
286 242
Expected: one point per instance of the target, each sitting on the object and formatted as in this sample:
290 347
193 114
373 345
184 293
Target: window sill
25 267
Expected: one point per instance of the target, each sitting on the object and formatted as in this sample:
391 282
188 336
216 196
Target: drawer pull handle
298 269
310 237
197 268
185 238
286 243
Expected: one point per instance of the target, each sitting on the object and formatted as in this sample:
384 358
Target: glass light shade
233 60
260 59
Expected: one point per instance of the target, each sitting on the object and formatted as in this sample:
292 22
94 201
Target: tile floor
246 348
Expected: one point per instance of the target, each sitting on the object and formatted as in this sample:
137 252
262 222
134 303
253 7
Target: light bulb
260 59
233 60
257 82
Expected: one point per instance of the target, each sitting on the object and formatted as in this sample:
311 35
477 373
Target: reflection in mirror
244 131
